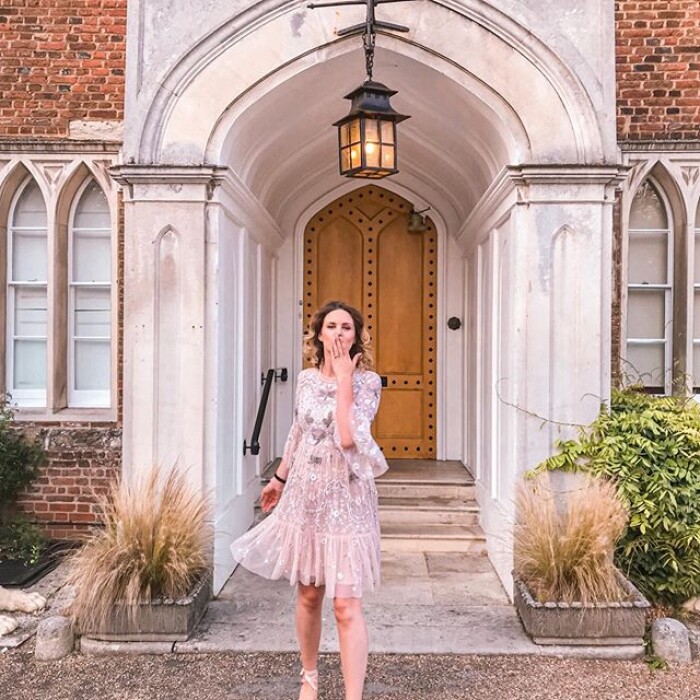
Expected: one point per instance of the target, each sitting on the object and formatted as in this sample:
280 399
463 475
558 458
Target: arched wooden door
359 250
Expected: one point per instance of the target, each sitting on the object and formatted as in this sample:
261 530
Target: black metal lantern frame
367 135
367 145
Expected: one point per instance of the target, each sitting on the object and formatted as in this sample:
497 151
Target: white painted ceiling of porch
285 148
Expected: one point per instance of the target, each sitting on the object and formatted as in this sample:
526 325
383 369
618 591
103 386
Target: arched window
696 306
650 291
89 299
27 297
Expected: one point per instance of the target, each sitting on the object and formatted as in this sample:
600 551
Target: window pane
648 258
92 313
30 312
29 364
646 314
92 210
696 314
355 130
697 257
645 363
387 131
30 209
29 256
91 365
388 157
91 256
648 210
372 154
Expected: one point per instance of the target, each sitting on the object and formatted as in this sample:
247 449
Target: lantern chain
368 27
368 41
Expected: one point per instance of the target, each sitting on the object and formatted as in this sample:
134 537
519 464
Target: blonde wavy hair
313 347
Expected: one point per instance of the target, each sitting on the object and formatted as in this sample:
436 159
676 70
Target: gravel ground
390 677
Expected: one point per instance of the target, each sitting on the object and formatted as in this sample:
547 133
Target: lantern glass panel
387 131
344 130
372 130
372 154
345 159
355 160
388 157
355 131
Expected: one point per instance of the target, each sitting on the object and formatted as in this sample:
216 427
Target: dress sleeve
294 435
364 457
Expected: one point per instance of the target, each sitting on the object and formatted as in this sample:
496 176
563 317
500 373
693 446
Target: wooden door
359 250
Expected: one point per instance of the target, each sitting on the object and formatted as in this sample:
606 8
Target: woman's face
337 324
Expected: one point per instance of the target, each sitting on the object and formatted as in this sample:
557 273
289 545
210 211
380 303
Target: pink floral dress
325 528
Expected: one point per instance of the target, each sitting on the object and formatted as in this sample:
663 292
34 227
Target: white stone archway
512 147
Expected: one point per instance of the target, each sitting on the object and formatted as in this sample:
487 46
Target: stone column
165 301
562 224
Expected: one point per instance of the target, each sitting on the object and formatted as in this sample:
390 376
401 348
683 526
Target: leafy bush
21 540
564 543
650 447
19 458
155 543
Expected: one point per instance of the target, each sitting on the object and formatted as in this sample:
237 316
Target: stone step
420 537
435 510
405 488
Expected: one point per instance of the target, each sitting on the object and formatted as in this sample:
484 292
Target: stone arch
219 62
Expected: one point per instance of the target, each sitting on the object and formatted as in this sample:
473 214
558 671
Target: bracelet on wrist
279 478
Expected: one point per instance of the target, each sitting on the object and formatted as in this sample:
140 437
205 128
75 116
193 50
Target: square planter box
160 620
601 624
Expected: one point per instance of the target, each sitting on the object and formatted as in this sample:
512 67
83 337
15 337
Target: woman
324 532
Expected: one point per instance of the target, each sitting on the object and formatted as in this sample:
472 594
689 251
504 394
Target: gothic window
27 310
89 307
650 291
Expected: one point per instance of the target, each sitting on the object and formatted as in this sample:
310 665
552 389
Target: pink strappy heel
311 677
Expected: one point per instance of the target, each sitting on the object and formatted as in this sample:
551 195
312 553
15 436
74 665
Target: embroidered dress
325 528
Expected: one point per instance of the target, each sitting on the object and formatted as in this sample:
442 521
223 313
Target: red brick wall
658 69
82 460
61 60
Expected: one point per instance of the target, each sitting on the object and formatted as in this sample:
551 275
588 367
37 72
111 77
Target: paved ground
445 603
390 677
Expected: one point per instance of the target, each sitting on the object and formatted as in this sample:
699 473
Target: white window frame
668 288
87 398
694 288
30 398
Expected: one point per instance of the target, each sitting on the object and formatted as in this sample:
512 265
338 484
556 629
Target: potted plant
567 589
649 447
145 576
25 553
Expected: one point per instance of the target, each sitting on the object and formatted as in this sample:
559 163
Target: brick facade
658 69
62 60
82 460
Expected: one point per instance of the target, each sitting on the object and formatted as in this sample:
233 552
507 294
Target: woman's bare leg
354 643
308 621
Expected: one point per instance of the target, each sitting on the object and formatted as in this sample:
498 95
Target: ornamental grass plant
564 543
649 446
155 544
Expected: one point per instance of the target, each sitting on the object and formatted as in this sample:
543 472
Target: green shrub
21 540
650 447
19 458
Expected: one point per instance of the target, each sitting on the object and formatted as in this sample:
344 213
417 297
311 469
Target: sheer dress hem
347 565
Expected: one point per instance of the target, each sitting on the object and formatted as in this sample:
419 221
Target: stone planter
577 624
160 620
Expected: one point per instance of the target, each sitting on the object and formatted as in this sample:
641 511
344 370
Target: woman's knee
311 597
347 609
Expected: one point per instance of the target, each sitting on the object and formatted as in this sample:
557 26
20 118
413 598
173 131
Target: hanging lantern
367 135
